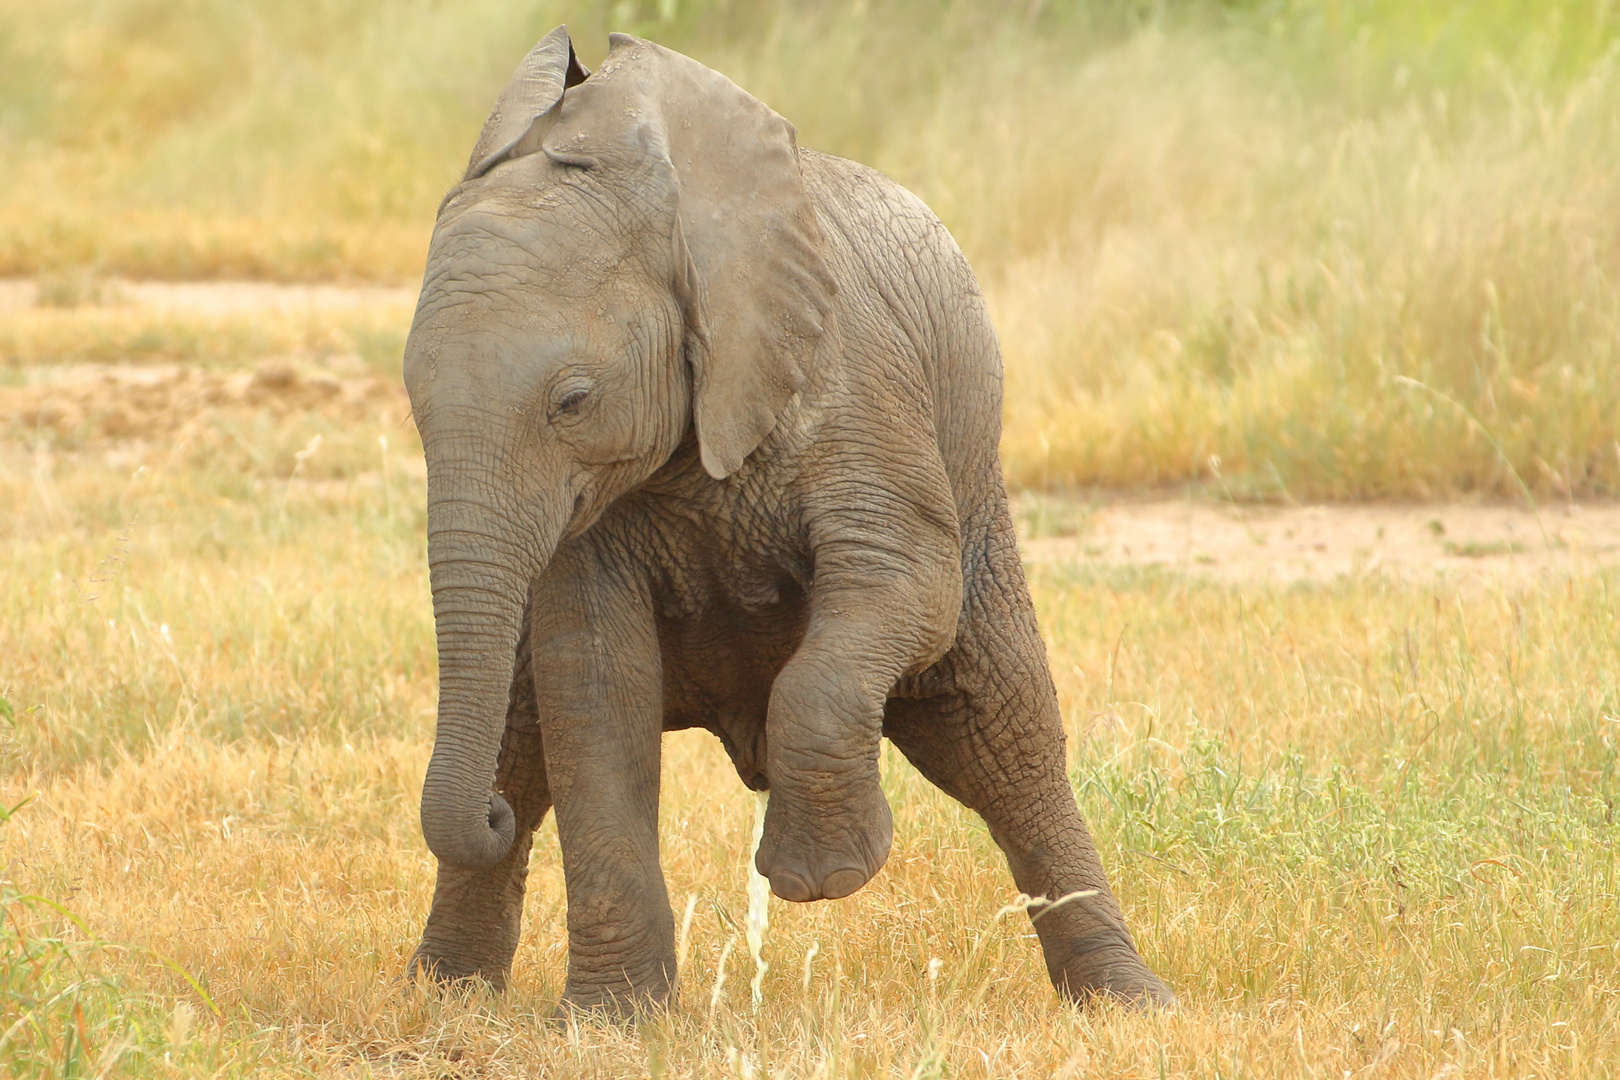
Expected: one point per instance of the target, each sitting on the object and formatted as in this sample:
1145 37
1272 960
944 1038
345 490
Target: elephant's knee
822 717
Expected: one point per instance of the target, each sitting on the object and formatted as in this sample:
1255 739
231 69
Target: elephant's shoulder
863 200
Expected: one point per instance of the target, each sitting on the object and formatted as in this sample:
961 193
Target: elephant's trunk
481 565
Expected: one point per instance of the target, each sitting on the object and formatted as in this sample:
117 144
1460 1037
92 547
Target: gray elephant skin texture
711 432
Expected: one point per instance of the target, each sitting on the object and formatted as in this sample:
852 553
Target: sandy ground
1319 543
217 297
102 406
1212 539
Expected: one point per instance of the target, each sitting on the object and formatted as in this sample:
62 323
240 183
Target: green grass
1216 237
69 1003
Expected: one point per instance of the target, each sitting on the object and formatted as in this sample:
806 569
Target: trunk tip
479 847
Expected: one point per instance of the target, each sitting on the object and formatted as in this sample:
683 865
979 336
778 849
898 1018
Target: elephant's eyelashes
567 401
570 393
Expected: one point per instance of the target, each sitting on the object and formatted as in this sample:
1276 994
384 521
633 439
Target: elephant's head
631 257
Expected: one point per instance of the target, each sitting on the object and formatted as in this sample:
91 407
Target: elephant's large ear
523 113
749 266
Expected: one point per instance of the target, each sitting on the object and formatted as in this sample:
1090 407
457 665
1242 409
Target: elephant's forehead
472 319
554 234
504 349
487 252
487 322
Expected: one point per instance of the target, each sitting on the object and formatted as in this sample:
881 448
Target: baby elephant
711 430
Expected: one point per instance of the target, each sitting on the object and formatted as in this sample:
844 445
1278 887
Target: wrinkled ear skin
749 270
525 110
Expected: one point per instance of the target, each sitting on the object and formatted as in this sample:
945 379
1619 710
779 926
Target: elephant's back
900 252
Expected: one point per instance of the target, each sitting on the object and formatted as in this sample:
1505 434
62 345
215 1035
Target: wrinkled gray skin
711 428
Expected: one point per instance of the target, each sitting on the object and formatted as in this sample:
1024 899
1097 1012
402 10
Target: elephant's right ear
749 269
520 120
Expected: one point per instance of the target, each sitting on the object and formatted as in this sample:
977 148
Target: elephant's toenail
840 883
790 886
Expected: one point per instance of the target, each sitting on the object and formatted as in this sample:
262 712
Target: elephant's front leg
598 682
828 826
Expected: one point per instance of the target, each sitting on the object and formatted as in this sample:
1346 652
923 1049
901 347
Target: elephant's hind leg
967 748
472 929
995 743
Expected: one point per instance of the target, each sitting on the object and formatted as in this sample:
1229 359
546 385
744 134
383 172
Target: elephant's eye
569 394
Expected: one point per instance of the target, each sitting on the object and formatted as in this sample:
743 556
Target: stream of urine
759 892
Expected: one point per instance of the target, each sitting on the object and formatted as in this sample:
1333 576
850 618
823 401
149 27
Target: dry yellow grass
216 329
1362 827
1365 826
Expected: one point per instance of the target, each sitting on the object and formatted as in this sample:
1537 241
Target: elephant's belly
718 671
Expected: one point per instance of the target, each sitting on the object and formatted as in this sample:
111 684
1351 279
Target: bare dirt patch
198 297
92 404
1320 543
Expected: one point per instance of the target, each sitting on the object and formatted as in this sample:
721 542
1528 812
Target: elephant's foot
825 836
618 1000
472 930
435 970
1104 966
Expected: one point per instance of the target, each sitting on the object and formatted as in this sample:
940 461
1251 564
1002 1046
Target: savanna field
1244 258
